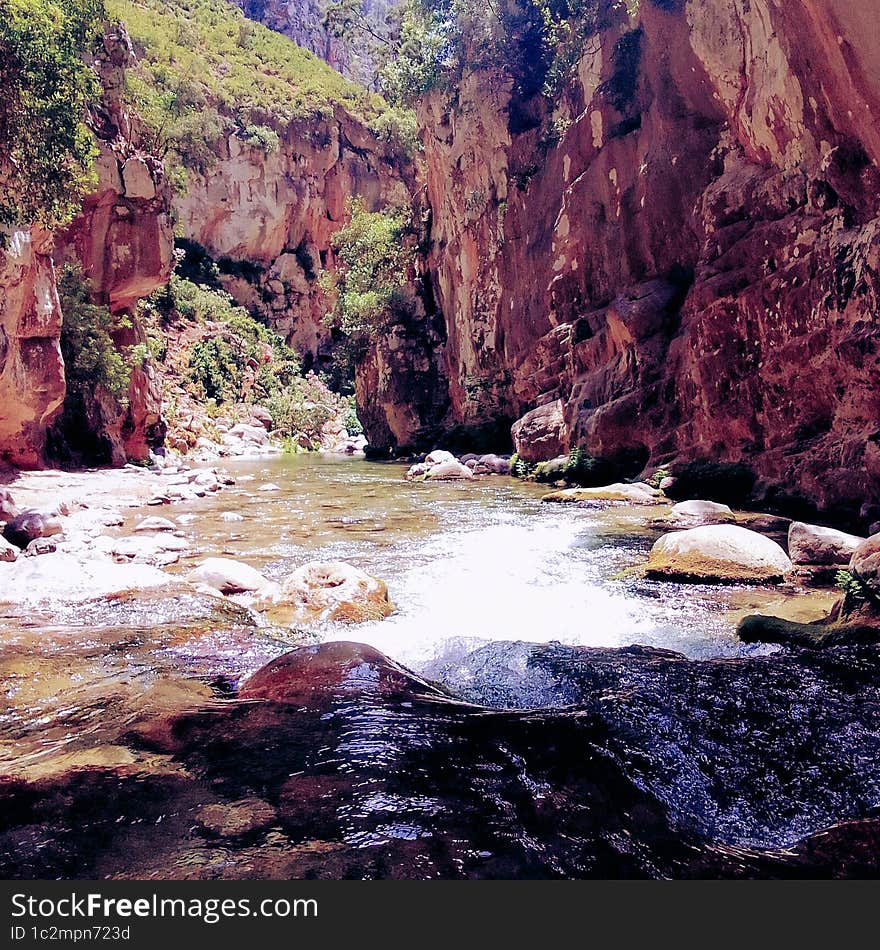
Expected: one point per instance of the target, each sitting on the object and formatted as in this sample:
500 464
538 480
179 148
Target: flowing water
466 565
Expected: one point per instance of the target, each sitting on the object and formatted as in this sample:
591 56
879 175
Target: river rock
8 508
814 544
419 470
8 551
337 667
448 471
438 456
323 591
700 512
261 417
227 575
41 546
491 465
31 524
636 494
717 553
256 435
242 817
155 523
231 516
542 433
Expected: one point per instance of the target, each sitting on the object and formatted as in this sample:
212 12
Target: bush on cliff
46 149
91 358
373 256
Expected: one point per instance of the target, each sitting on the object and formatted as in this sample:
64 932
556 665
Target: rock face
268 219
31 368
123 241
693 268
717 553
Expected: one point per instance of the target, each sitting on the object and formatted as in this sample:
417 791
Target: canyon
642 267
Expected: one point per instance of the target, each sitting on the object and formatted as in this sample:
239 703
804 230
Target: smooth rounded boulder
306 675
227 575
717 553
542 433
814 544
328 591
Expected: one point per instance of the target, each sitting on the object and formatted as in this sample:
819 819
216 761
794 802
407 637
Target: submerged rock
312 674
227 575
814 544
638 493
717 553
328 591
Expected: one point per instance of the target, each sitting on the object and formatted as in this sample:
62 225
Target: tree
46 149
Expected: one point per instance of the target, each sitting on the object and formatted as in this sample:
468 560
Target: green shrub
398 126
90 356
658 476
46 151
262 137
204 71
855 591
304 407
373 260
519 467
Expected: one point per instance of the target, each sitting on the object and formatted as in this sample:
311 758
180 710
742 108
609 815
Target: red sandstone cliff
694 269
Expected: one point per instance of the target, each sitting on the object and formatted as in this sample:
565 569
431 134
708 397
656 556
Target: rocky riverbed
450 677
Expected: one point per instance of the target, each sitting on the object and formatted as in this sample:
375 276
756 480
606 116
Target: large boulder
323 591
227 575
635 494
721 552
813 544
542 433
32 524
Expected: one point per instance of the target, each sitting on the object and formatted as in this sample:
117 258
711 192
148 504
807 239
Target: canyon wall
122 241
268 218
685 255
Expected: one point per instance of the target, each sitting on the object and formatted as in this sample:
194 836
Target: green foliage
373 258
262 137
205 70
520 468
658 476
537 41
46 150
855 591
398 126
303 408
91 358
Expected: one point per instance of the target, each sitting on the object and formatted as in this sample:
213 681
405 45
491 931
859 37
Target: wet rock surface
335 762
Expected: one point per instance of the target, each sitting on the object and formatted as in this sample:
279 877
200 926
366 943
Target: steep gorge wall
694 268
122 240
268 219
